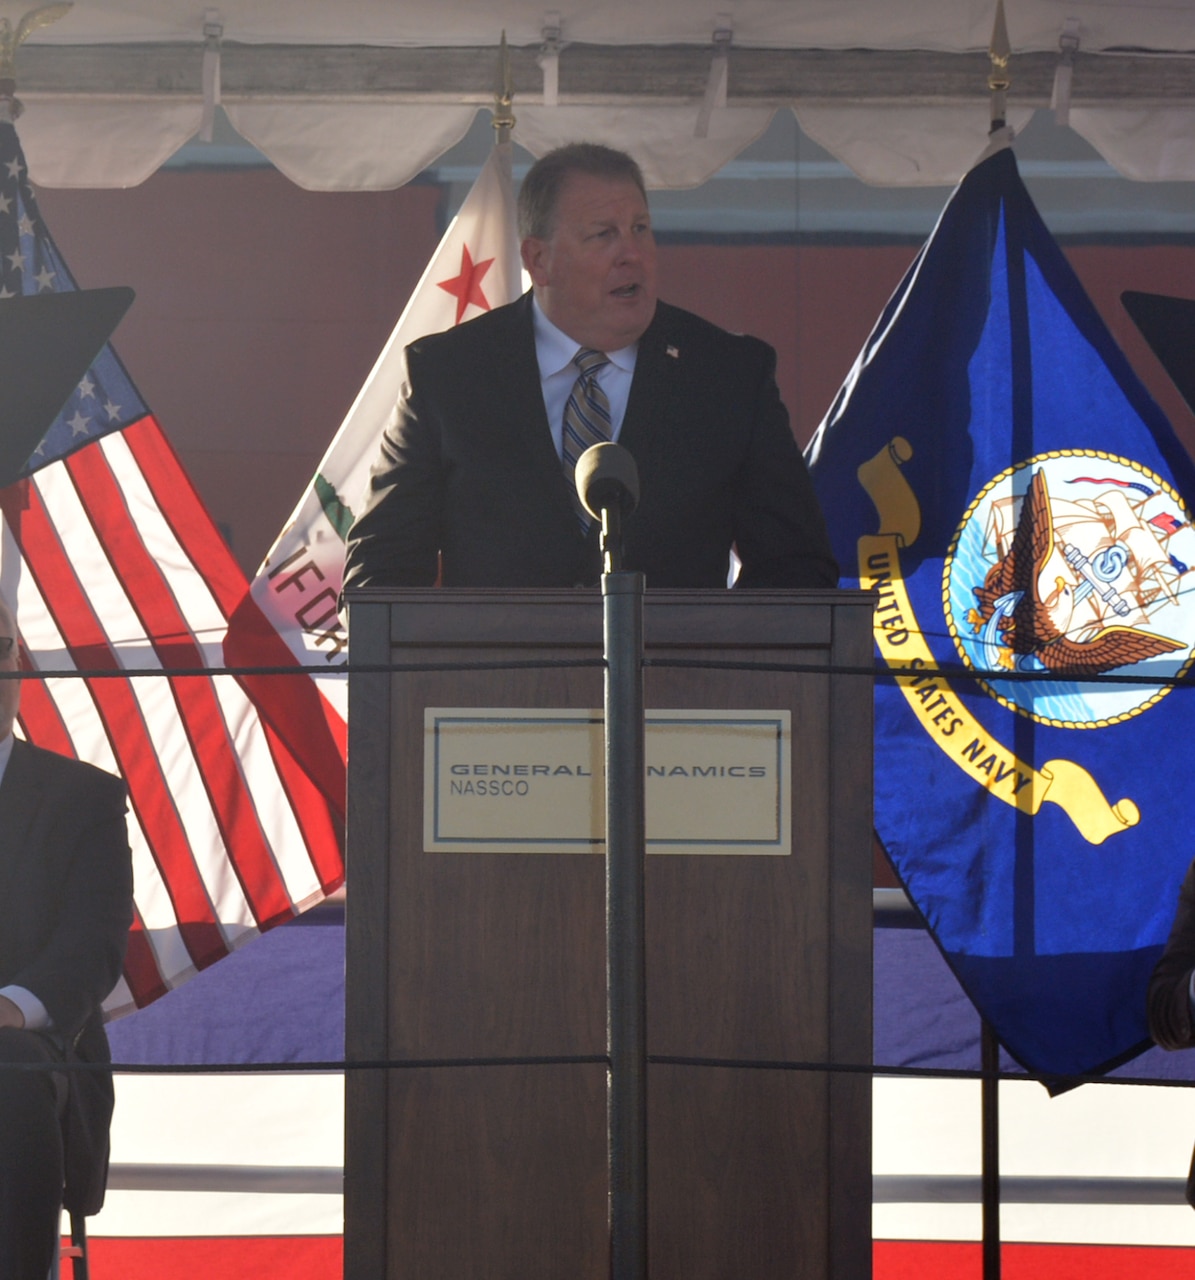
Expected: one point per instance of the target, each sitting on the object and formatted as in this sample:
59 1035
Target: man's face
595 275
10 690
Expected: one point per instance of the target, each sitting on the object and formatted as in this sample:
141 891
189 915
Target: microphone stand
626 988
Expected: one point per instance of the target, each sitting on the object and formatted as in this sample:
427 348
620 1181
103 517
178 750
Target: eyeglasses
7 644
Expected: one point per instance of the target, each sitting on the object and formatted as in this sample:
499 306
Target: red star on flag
466 287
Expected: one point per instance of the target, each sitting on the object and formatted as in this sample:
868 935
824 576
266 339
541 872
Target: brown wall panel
261 308
814 304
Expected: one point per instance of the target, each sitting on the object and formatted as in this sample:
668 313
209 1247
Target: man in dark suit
472 486
1170 1001
65 910
1171 1008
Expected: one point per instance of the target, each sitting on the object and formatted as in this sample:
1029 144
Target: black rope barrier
878 671
922 673
360 668
1055 1081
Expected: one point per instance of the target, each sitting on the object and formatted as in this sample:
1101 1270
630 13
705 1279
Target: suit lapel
657 367
20 799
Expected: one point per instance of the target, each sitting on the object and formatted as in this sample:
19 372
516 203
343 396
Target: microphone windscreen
606 476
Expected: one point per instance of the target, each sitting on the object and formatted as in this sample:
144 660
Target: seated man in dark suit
1170 1002
473 485
1171 998
66 903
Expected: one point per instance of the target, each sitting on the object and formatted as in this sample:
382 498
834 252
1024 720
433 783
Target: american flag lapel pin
674 352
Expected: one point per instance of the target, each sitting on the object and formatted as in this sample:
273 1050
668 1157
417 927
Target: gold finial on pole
504 117
11 39
999 78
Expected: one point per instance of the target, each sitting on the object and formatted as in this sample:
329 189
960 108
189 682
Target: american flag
235 785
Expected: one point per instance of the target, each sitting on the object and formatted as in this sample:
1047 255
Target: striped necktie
586 420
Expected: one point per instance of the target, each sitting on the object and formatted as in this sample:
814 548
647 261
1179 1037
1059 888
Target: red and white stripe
115 566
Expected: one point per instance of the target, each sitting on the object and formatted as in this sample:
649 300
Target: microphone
607 482
606 476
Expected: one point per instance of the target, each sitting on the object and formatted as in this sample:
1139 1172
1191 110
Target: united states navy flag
999 476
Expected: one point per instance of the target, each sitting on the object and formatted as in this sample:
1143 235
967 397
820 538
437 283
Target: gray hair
541 188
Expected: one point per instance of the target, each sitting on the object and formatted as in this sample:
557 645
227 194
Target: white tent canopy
363 94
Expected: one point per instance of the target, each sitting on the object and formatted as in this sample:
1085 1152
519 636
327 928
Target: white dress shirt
36 1017
554 350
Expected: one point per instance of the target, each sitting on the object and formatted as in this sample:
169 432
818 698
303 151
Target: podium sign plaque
516 780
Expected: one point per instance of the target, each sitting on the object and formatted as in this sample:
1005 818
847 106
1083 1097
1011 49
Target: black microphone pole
608 483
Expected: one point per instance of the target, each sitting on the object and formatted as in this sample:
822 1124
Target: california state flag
475 268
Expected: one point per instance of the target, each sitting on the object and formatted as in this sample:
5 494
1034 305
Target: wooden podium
471 1172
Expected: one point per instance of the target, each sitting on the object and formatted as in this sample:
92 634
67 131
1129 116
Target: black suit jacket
66 903
1168 1002
467 471
1168 1005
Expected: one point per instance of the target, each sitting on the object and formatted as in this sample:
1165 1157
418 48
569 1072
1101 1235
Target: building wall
261 308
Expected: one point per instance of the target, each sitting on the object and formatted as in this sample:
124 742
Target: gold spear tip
11 38
504 95
999 51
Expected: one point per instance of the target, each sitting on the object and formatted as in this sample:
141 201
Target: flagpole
999 79
503 124
990 1125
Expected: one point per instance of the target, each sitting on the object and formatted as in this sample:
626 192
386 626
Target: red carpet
215 1258
321 1258
930 1260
